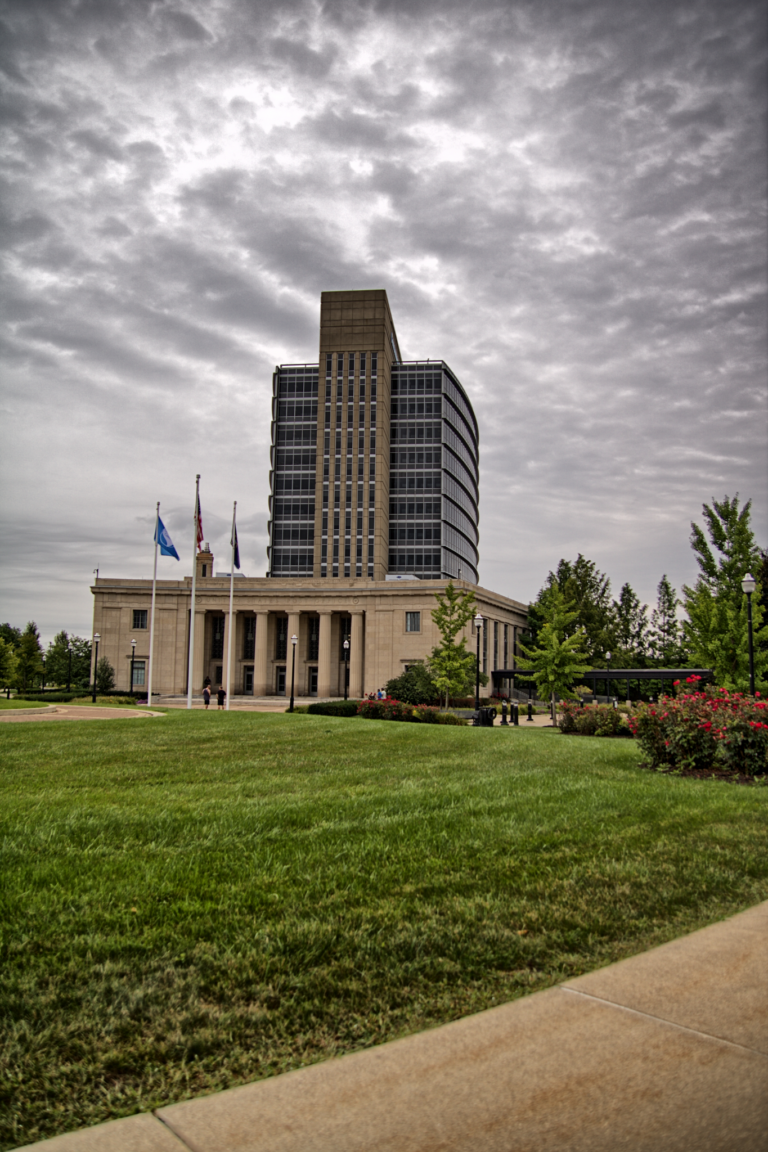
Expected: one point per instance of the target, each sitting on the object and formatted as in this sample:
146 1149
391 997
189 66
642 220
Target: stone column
261 653
324 656
356 656
233 655
198 667
294 629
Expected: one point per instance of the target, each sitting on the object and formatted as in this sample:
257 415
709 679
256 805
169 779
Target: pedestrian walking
220 698
206 695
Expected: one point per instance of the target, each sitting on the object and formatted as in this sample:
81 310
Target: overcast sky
564 199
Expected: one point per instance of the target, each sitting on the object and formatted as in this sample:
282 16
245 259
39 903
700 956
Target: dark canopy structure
596 675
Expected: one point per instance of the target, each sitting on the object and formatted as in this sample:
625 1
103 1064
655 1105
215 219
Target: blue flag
236 546
164 540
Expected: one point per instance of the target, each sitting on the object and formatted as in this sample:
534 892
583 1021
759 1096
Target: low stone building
388 624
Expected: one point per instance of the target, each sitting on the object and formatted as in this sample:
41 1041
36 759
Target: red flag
199 522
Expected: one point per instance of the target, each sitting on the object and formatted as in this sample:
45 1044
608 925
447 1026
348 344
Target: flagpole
191 663
152 613
231 596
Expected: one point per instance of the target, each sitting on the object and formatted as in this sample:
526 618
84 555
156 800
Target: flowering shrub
704 728
390 709
591 719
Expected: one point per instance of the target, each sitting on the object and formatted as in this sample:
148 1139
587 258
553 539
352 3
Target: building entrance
313 681
248 681
280 681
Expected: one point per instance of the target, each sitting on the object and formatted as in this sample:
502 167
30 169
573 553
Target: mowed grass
207 898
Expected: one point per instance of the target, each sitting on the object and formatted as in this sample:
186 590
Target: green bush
592 720
389 709
47 697
333 708
413 687
702 730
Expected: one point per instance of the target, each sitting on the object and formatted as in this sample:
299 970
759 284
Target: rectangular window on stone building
281 637
217 642
249 642
313 638
139 618
138 674
413 621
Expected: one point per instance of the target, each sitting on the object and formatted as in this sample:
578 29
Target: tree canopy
451 666
716 631
29 658
559 658
57 660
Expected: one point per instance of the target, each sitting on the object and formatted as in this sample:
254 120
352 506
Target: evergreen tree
560 658
631 629
105 675
29 663
666 629
57 660
716 630
451 666
589 591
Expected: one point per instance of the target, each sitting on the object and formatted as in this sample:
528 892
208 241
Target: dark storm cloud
563 198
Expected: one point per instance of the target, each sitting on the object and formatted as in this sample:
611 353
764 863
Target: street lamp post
42 674
748 586
346 668
96 639
478 626
608 677
69 668
133 657
294 642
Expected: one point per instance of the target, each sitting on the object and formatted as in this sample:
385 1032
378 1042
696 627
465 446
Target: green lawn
196 901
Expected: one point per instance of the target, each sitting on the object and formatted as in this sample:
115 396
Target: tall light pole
478 626
69 668
133 657
346 668
96 639
294 642
748 586
608 677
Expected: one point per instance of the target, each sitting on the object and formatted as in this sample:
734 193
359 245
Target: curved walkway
73 712
664 1052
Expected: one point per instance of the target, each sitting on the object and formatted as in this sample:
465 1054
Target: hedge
333 708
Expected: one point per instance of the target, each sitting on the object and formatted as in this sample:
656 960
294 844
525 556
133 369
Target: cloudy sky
564 199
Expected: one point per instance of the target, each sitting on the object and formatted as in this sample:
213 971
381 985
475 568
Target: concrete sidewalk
665 1052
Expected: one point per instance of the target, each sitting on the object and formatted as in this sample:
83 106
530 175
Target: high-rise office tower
374 467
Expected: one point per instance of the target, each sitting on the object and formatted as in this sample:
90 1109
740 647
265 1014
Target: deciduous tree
451 666
588 590
560 658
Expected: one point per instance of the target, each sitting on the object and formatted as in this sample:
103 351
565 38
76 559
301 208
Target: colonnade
265 660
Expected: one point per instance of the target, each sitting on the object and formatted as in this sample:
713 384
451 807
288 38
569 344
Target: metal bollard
516 716
530 712
504 721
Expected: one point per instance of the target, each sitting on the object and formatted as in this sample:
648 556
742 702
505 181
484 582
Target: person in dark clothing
220 698
206 694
